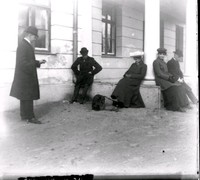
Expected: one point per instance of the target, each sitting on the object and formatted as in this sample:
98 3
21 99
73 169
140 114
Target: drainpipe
75 32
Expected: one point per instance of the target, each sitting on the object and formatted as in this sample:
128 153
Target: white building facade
110 29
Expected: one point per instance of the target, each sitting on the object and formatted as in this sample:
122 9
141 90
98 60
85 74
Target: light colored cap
136 53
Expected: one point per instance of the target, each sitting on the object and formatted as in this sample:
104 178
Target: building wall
55 77
129 37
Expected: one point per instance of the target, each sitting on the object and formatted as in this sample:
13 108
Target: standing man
84 68
25 85
127 91
174 68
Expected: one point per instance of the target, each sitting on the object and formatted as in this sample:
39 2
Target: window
36 13
162 34
108 29
179 38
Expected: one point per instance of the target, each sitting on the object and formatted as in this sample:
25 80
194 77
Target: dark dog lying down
98 103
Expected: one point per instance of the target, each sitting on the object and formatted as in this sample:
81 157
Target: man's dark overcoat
127 89
25 84
174 68
162 75
172 92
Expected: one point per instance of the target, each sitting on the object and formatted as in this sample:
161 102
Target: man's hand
127 75
172 79
180 80
42 61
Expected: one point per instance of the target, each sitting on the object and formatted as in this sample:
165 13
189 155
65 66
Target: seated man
84 68
127 90
174 95
174 68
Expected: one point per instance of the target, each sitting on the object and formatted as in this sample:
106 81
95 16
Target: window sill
44 53
110 56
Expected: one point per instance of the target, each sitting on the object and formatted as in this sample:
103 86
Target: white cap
136 53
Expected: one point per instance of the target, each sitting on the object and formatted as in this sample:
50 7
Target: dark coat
162 75
25 84
174 68
127 89
81 69
173 93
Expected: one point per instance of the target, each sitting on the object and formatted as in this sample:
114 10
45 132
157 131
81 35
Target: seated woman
174 96
127 91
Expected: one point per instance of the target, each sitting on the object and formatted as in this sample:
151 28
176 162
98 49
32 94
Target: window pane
103 29
113 46
103 14
42 41
41 19
103 46
108 30
113 14
23 16
113 31
108 45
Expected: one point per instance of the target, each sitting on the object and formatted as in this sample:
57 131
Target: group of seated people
126 94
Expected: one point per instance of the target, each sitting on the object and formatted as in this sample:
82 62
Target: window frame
179 38
32 8
106 8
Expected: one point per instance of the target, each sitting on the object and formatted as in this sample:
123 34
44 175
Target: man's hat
162 51
179 52
136 54
32 30
83 50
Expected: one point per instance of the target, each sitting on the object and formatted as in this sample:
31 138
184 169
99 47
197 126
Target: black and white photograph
101 89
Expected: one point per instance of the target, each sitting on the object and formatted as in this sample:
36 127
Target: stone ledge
151 94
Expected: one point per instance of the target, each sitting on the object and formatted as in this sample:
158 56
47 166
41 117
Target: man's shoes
82 101
72 101
188 107
181 110
34 120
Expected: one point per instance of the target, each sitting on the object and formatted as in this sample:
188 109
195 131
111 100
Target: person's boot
75 95
84 93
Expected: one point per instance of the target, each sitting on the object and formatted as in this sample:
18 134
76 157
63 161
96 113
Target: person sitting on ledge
127 91
174 96
174 68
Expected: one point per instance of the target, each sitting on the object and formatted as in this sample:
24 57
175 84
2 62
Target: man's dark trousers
26 109
189 93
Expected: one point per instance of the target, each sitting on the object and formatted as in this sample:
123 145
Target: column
191 64
191 52
85 22
152 36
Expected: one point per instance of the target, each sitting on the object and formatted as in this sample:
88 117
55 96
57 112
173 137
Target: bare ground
73 139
